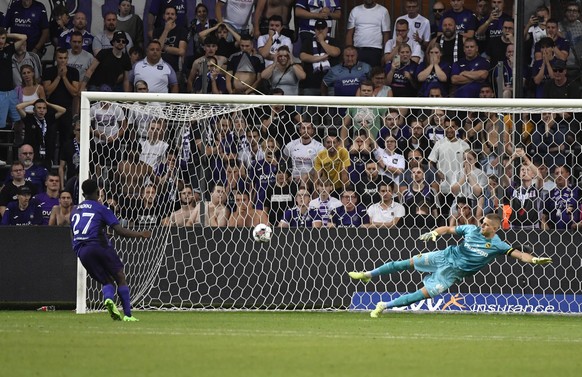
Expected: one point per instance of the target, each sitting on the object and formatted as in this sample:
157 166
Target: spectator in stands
400 73
378 78
159 75
136 54
367 188
332 163
263 172
497 30
571 29
103 40
245 213
80 25
8 96
345 78
393 124
189 212
156 14
464 19
265 9
361 117
242 145
214 79
244 68
525 201
468 74
228 39
438 9
433 72
301 216
70 154
562 46
269 43
200 23
61 85
59 23
360 153
419 26
561 209
203 63
506 74
308 13
386 213
50 198
284 73
482 12
548 141
235 14
535 29
61 213
390 162
318 54
542 70
419 200
493 142
471 184
29 17
173 38
302 151
447 157
414 159
235 181
368 30
13 184
130 22
34 173
131 173
147 211
561 86
402 37
30 89
435 127
78 58
451 41
217 213
350 214
154 148
110 68
278 121
464 214
23 211
21 58
417 140
40 128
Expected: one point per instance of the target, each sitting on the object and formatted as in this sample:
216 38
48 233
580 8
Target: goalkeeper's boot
130 319
380 307
112 309
359 276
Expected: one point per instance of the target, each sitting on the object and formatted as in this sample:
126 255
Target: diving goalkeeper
449 266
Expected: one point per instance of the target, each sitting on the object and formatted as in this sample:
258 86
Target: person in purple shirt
23 211
351 213
29 17
96 252
263 172
301 216
50 198
468 74
465 19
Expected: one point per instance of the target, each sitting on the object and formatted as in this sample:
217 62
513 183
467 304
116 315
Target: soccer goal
247 159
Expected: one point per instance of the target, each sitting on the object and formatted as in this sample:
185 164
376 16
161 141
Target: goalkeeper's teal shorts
442 275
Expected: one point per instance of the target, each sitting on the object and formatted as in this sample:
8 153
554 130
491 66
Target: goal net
346 184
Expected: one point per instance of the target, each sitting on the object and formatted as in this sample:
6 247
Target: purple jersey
354 218
346 81
401 86
295 219
262 175
465 20
88 223
30 21
432 80
472 89
315 6
537 65
15 216
46 204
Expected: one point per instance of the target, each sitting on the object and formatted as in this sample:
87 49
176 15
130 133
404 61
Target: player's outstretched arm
131 233
528 258
437 232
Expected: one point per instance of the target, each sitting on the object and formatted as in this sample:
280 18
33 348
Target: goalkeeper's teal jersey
475 251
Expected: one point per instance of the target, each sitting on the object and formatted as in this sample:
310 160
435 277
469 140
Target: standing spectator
130 22
548 140
433 72
21 58
197 26
217 213
451 42
390 162
280 195
279 122
156 14
471 184
47 200
351 214
560 86
535 29
464 214
8 96
70 154
80 25
59 23
392 47
263 174
245 213
268 44
203 63
571 29
507 73
154 148
525 200
78 58
29 17
108 124
284 73
562 46
464 19
301 216
244 68
159 75
10 188
265 9
333 162
400 73
368 30
417 140
61 213
103 40
345 78
236 13
215 80
173 39
386 213
497 47
438 9
361 118
378 78
492 29
367 188
147 210
302 153
131 174
360 153
419 26
23 211
308 13
542 70
561 209
110 68
30 89
419 200
468 74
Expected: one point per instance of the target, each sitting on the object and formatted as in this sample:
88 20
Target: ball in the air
262 233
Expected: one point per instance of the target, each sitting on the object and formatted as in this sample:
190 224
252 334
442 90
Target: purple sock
108 291
123 292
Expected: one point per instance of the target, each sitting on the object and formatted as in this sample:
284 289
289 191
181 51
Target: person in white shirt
159 75
419 30
402 32
324 204
302 153
391 164
154 148
368 31
387 213
268 44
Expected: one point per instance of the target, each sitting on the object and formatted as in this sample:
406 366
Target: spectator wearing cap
172 37
110 68
104 39
201 64
561 86
10 188
318 54
269 43
23 211
159 75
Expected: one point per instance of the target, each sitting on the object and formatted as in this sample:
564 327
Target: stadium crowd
295 166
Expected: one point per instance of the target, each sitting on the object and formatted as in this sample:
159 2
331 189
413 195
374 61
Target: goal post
206 264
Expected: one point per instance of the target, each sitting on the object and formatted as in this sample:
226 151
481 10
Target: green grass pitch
229 343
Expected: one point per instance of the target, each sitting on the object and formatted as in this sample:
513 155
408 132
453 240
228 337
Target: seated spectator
562 46
23 211
435 126
367 189
147 211
189 212
400 73
419 200
561 86
108 125
279 121
471 184
132 173
61 213
9 191
351 214
415 159
393 125
333 162
284 73
548 141
390 162
245 213
344 79
464 214
301 216
324 203
561 210
280 195
361 118
136 54
542 70
386 213
30 88
263 172
433 72
50 198
33 173
235 181
506 74
217 213
416 141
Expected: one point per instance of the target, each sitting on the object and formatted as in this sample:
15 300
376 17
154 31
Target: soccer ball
262 233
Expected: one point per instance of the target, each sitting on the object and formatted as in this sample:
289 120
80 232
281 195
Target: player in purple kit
23 211
96 252
50 198
29 17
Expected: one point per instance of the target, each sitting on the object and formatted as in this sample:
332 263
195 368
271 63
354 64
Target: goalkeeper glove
429 236
542 261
